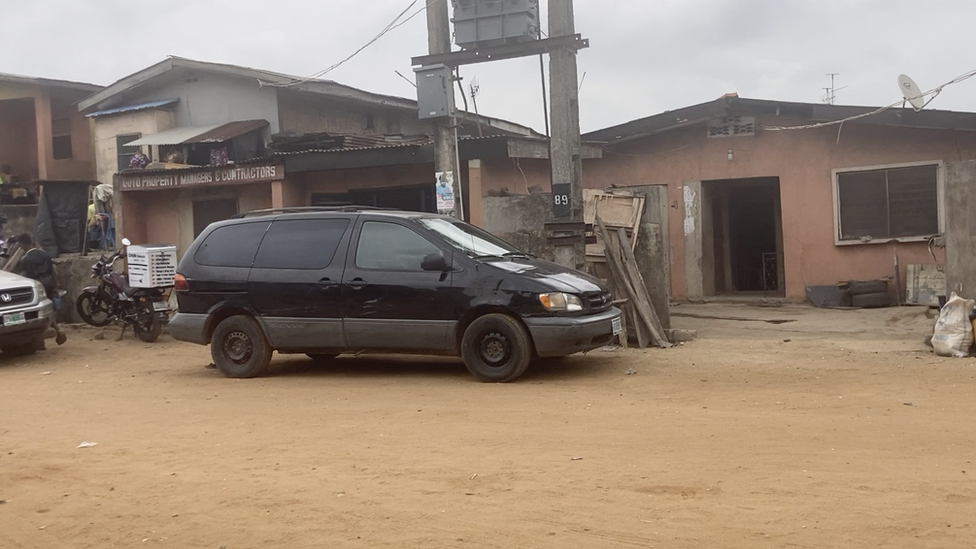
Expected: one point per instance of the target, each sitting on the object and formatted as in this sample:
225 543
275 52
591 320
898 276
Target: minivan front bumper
562 336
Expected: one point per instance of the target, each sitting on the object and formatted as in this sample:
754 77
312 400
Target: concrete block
681 336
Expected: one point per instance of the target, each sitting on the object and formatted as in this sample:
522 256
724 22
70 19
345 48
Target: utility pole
565 157
445 130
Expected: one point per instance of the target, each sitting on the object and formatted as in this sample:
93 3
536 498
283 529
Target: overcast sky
647 56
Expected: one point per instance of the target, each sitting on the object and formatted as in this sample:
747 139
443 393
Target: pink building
755 207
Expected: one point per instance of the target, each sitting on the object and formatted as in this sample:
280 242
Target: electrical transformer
484 23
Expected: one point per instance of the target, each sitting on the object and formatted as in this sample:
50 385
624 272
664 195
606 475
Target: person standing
37 264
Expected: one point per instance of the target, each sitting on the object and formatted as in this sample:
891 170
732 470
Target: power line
395 24
933 92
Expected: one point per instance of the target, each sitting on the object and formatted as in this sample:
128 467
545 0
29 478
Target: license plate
14 319
160 306
618 327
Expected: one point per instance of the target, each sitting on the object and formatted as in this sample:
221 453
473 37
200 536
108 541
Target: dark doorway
745 247
415 198
206 212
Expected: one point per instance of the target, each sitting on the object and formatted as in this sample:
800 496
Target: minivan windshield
472 240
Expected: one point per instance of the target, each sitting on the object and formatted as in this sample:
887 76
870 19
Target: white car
25 315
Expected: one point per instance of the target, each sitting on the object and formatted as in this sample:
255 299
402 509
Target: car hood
11 280
552 276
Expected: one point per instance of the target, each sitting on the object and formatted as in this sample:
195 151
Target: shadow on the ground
418 367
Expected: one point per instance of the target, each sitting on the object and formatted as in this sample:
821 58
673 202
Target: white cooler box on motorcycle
151 265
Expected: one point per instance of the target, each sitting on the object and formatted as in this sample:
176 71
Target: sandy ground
851 434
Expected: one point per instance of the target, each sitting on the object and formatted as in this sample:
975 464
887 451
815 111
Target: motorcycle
114 299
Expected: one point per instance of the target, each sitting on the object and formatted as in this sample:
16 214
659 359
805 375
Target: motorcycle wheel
147 327
93 309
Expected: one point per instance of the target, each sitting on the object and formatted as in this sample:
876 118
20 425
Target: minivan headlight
561 302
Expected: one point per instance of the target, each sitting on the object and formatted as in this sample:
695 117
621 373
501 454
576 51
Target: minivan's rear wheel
239 348
496 348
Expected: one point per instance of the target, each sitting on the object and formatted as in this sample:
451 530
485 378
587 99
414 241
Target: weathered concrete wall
960 191
520 220
108 128
314 113
26 139
342 181
18 138
74 275
515 176
20 219
216 99
803 161
81 165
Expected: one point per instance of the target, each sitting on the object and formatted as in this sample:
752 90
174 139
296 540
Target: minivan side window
301 244
231 245
391 247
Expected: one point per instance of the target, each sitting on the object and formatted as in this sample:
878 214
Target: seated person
139 161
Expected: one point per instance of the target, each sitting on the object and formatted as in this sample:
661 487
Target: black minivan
326 281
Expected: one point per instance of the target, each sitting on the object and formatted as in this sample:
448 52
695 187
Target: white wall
207 99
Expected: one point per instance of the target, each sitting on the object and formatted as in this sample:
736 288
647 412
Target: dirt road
851 434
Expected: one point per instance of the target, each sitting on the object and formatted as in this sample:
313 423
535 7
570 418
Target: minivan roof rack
331 207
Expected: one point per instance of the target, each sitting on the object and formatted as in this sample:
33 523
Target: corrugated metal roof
215 133
351 149
49 82
133 108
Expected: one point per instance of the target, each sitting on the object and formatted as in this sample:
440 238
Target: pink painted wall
515 175
18 137
803 160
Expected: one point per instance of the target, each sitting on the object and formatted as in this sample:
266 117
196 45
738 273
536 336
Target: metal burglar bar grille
893 203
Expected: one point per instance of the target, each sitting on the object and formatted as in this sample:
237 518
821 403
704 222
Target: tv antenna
912 93
831 96
475 89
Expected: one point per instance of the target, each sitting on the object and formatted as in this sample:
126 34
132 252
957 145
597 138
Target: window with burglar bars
890 203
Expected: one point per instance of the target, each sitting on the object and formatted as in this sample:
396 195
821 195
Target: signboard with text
561 207
177 179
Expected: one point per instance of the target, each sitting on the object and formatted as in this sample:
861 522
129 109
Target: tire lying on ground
859 287
872 301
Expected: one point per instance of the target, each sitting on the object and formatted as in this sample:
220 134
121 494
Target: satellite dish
911 91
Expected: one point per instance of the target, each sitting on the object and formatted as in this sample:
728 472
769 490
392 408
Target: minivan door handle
357 283
326 283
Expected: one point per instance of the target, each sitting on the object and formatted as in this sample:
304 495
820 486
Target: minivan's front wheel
239 348
496 348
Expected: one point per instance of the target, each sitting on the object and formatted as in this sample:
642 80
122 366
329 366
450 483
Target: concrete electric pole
445 130
566 160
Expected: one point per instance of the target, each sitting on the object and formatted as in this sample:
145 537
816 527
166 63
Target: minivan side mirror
435 262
